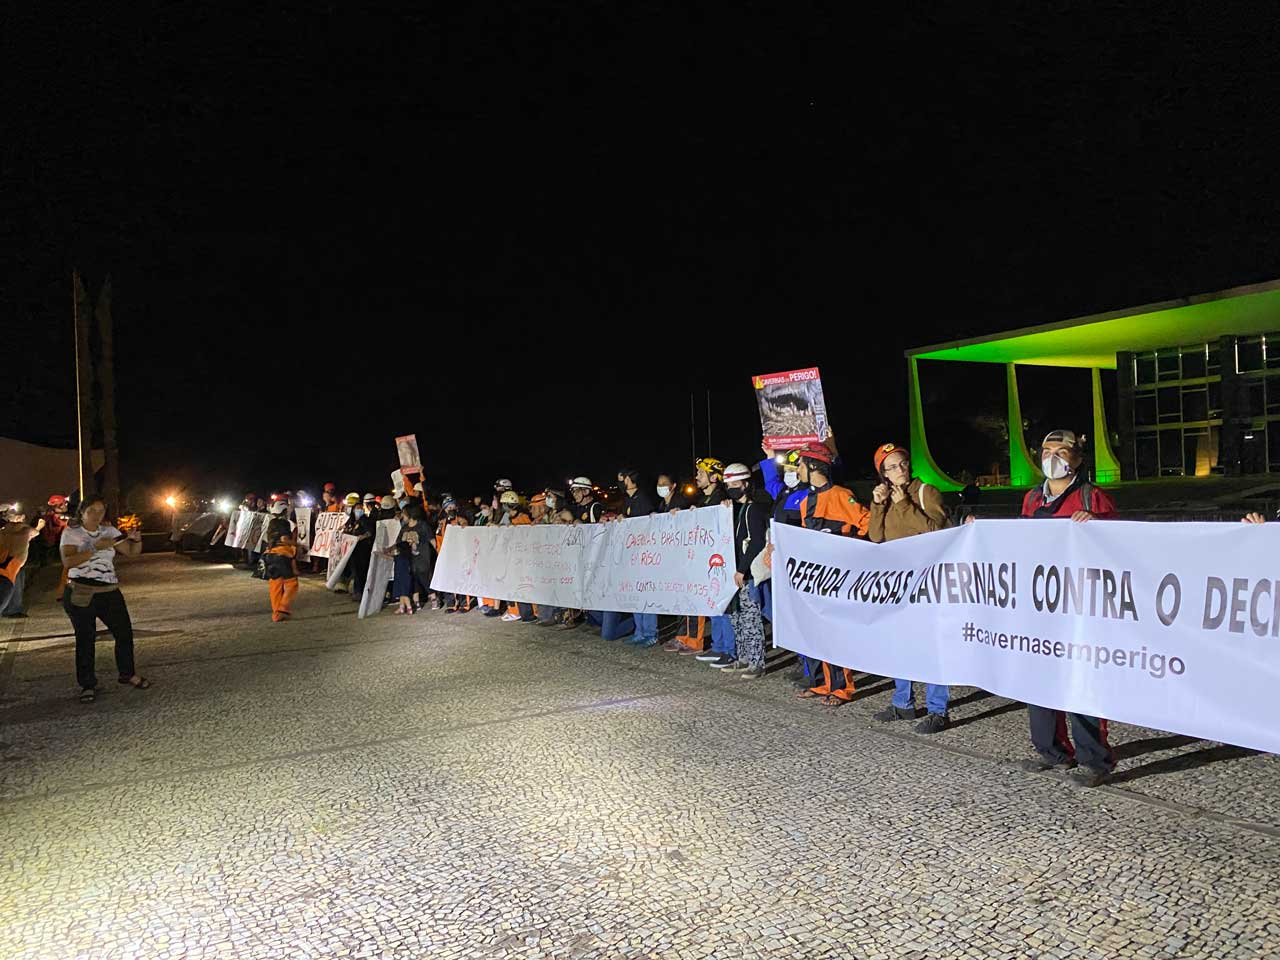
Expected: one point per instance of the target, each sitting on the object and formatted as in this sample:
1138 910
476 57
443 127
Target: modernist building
1198 386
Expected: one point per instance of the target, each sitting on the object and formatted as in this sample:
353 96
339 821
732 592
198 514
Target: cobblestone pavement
451 787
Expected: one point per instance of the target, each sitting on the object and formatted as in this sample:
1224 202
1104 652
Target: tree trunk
84 387
107 381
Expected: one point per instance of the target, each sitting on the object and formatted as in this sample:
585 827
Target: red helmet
883 451
813 450
57 500
330 488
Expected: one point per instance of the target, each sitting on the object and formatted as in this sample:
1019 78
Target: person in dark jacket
1067 494
724 649
670 496
360 527
750 527
638 503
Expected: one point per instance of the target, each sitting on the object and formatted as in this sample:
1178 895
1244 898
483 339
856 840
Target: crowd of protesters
796 487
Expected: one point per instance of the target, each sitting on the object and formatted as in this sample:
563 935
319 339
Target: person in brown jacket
905 506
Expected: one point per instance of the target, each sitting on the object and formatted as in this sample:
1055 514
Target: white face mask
664 492
1055 468
791 480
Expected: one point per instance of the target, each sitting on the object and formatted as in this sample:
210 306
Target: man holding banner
1068 495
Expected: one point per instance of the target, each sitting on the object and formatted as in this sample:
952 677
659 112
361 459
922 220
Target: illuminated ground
448 787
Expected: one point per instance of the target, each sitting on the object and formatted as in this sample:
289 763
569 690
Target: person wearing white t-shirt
93 593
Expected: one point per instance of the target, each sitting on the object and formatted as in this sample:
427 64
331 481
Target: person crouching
282 575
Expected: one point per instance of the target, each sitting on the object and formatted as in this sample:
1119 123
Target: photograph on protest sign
407 454
302 532
793 411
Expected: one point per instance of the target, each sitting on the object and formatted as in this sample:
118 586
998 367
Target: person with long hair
93 593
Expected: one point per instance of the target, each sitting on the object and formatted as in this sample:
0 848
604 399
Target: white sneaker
509 618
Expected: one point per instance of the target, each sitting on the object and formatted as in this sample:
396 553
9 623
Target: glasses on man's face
900 467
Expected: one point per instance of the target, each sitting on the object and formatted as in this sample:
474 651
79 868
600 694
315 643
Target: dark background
528 232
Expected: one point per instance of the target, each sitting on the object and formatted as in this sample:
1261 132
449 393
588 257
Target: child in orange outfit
282 576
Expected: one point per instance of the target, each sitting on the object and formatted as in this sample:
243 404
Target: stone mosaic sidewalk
451 787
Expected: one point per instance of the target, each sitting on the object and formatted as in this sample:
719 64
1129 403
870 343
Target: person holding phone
902 505
93 593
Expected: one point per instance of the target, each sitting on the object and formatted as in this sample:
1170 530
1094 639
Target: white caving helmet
581 483
737 473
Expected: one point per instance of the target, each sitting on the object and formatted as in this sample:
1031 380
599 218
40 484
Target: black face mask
734 493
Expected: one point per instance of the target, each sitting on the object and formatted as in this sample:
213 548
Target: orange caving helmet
883 451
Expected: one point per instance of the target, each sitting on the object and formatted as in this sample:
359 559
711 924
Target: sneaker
892 713
527 619
753 673
1089 778
673 646
706 656
642 644
510 617
933 723
737 666
687 651
491 612
721 661
1040 765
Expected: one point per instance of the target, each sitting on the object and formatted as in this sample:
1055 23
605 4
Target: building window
1148 455
1144 368
1170 453
1249 354
1168 366
1195 362
1195 404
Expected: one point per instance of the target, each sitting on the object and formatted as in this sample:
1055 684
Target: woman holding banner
905 506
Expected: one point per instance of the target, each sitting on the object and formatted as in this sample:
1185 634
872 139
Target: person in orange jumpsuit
282 575
830 509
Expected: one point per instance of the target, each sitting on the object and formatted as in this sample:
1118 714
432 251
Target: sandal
88 695
142 684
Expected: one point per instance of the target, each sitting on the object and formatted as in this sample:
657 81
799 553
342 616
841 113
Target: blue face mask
403 503
357 513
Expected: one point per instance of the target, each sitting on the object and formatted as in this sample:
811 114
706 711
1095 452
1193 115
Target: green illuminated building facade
1198 387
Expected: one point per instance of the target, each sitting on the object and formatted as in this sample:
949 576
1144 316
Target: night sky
528 232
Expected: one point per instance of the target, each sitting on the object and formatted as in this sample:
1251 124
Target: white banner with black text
1174 626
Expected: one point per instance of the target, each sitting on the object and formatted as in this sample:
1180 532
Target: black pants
109 607
359 564
1049 737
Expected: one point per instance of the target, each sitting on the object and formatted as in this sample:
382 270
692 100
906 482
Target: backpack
946 514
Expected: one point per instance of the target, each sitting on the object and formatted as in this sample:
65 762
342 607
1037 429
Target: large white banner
328 527
1167 625
666 563
382 567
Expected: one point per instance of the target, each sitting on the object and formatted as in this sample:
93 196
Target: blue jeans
763 593
14 604
615 626
526 611
646 627
722 639
936 696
